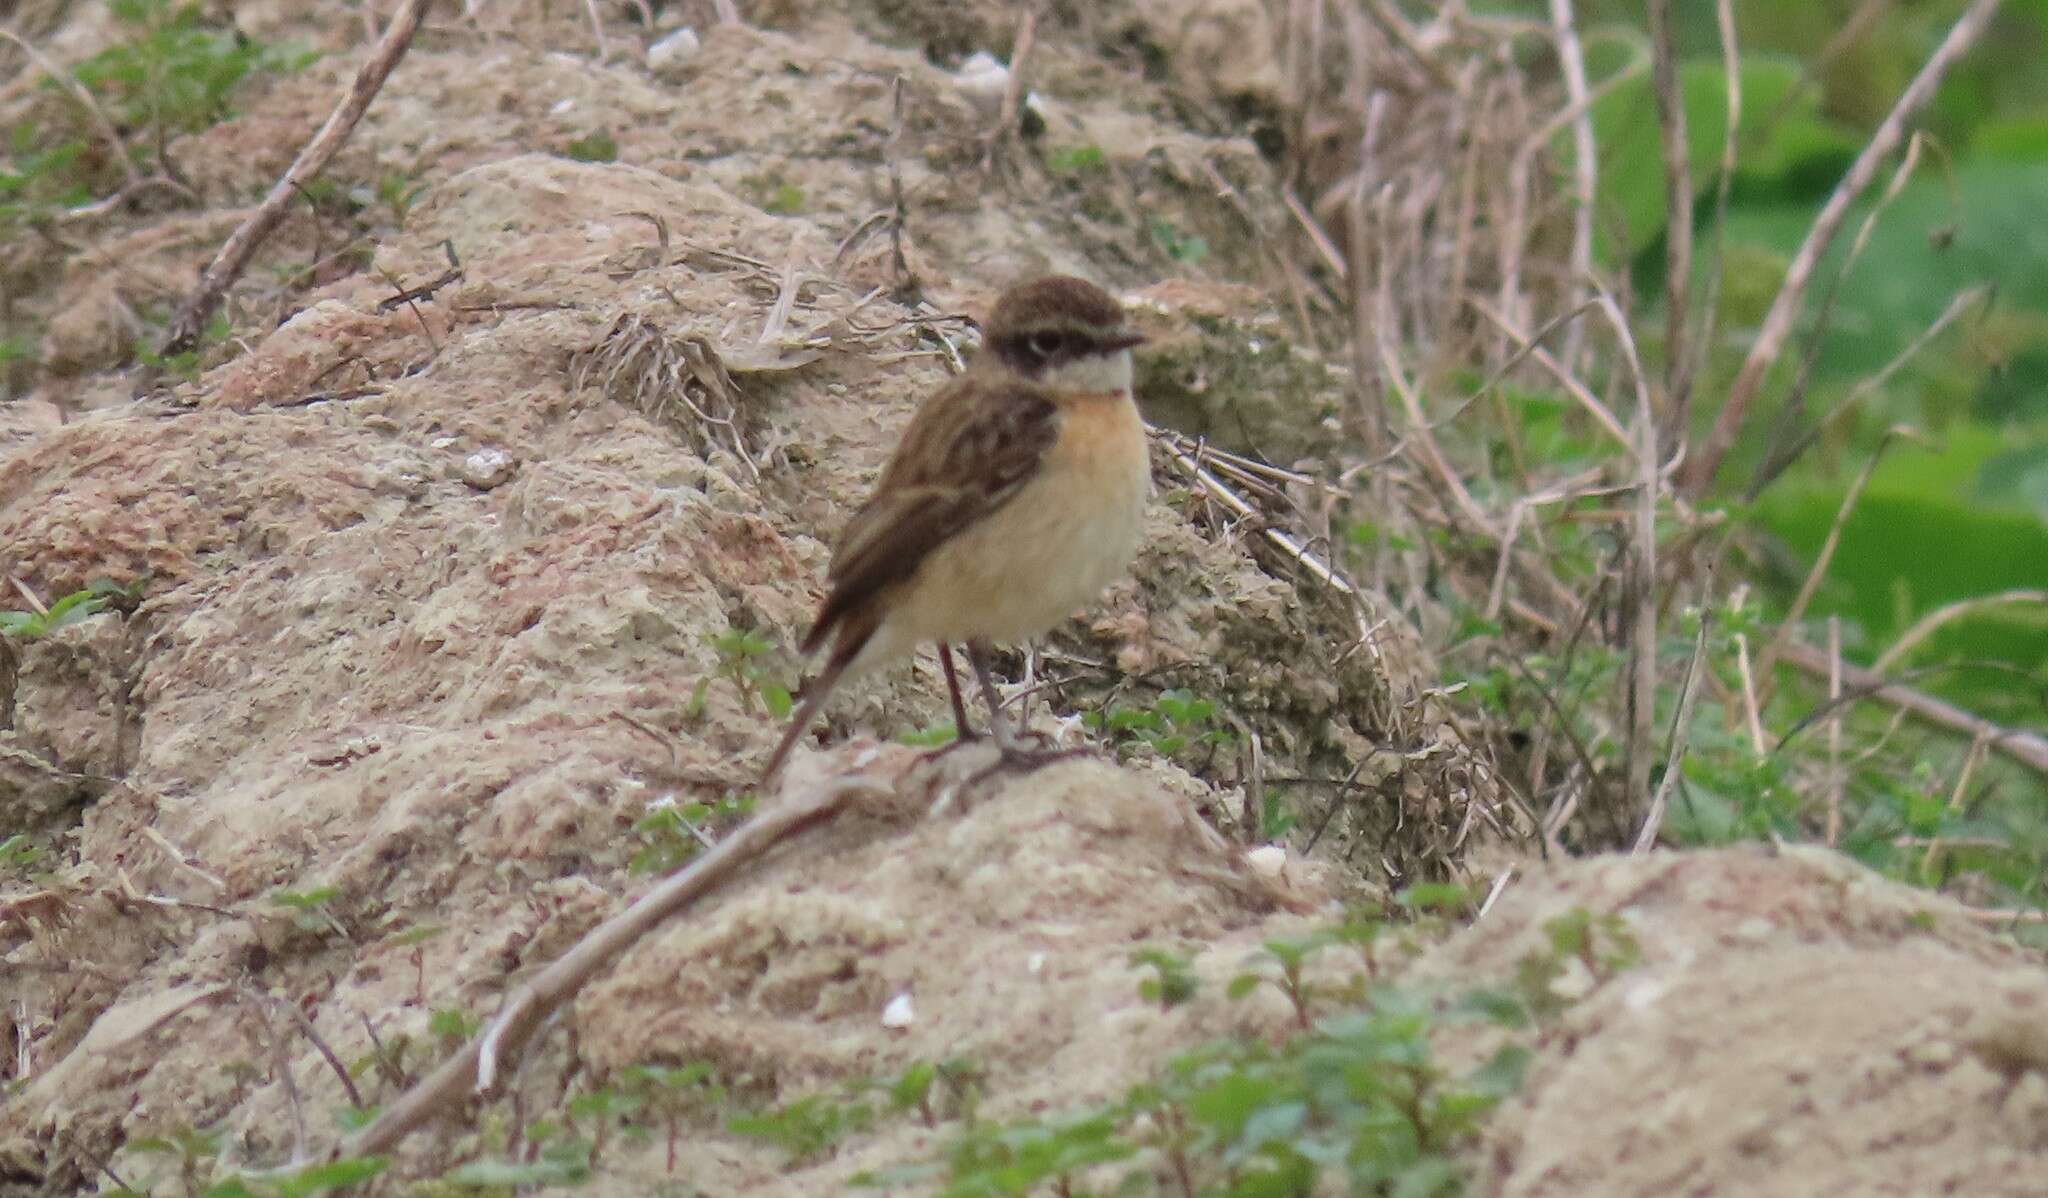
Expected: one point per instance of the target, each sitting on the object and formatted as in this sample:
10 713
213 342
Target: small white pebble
674 50
1267 861
1643 995
983 79
1035 963
563 105
899 1013
488 468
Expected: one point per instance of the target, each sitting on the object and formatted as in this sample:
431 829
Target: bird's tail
853 637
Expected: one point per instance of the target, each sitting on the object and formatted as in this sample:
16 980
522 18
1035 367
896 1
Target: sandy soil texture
429 624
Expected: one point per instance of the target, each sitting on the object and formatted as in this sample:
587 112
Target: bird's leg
998 723
1015 754
961 729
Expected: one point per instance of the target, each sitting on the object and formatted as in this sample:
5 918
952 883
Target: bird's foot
1024 759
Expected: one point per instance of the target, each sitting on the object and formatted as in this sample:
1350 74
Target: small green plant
398 192
185 364
170 73
173 73
194 1154
1602 945
1173 981
313 909
1281 965
743 661
1177 721
71 609
674 1092
1178 244
559 1159
810 1127
1356 1099
452 1027
39 176
593 147
671 833
935 1090
19 854
933 737
190 1150
605 1110
1076 161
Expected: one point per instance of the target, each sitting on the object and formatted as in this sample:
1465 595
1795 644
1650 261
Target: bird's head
1063 333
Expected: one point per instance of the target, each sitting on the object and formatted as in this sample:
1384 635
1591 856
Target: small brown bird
1016 495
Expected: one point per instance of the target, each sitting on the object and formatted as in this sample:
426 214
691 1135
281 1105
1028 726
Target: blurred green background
1962 511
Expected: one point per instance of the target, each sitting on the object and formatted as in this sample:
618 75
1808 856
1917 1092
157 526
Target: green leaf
913 1087
1440 897
333 1175
593 147
1503 1072
509 1174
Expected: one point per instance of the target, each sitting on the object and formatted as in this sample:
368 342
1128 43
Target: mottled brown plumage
1015 492
966 453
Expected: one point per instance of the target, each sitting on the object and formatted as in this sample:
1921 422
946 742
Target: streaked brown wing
966 453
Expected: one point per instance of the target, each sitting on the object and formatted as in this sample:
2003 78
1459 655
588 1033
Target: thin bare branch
1677 212
1784 309
1928 624
233 258
529 1006
89 103
2029 749
1681 729
1821 561
1837 778
1585 171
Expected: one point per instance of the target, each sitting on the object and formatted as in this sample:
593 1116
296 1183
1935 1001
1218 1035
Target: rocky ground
435 594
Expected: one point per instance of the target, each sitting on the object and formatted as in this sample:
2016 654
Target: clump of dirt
1795 1025
438 592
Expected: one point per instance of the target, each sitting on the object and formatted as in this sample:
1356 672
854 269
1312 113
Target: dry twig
2029 749
531 1005
1777 324
1678 211
227 265
86 101
1585 170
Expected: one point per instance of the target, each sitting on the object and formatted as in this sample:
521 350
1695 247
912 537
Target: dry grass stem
681 381
1933 621
1585 172
1837 778
1784 309
117 148
1678 210
1782 459
192 315
2029 749
1703 339
1681 731
1971 760
1767 660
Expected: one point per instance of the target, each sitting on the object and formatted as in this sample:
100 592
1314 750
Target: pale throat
1091 374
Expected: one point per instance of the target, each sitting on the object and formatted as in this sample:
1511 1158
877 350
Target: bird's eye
1043 345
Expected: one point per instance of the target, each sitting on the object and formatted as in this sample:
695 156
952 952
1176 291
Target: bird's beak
1124 338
